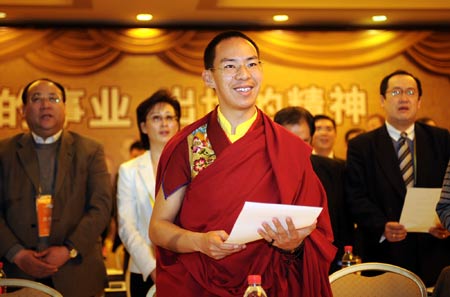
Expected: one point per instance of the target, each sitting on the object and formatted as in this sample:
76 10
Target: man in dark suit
331 174
58 244
376 188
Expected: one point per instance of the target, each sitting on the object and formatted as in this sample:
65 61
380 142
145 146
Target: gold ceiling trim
331 4
47 3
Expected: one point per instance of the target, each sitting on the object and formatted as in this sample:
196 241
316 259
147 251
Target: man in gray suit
376 186
55 198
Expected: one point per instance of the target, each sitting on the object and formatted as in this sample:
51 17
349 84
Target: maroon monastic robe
268 164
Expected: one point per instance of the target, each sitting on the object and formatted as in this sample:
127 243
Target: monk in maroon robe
204 180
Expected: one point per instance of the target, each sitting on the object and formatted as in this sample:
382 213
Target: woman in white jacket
158 120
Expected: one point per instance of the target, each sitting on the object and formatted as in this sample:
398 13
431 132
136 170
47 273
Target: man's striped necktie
405 161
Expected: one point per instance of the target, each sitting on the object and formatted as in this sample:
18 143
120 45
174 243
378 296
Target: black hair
425 120
210 51
324 117
294 115
353 130
160 96
385 81
27 87
136 145
377 116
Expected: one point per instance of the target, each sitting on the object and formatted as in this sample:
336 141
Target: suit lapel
65 156
28 159
388 161
426 159
146 176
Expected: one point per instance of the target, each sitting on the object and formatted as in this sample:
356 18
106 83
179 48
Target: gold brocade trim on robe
201 152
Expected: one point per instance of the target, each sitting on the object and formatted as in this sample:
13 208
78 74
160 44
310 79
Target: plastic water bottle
2 275
254 288
348 258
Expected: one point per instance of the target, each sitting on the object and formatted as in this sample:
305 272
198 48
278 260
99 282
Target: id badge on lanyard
44 207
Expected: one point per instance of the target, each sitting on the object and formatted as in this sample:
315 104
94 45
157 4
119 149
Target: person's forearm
170 236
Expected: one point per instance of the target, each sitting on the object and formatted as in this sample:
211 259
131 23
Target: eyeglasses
41 99
231 69
410 92
158 119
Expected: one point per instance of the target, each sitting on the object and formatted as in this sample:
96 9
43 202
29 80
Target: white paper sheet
419 209
253 214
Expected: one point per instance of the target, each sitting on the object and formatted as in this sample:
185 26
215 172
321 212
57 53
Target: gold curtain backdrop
84 51
108 71
432 53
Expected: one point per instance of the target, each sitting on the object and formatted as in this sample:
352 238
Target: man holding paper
381 164
212 167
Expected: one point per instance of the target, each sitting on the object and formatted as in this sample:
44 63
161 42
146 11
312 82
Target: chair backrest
29 288
380 279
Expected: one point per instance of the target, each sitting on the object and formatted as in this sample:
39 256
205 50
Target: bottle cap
254 279
348 248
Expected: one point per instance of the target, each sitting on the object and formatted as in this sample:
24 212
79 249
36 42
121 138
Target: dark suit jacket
375 191
82 208
331 175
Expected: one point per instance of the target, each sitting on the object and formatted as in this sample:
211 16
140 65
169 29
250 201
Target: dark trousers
138 287
48 282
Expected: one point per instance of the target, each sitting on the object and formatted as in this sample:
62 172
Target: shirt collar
52 139
241 129
330 155
395 134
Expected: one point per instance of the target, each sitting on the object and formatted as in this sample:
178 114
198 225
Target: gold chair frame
393 281
32 288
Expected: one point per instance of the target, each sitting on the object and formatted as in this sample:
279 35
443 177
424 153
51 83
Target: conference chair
376 279
28 288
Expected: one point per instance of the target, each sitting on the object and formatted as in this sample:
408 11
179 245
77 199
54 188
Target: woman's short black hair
160 96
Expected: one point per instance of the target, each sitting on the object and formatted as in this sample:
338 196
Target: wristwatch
73 253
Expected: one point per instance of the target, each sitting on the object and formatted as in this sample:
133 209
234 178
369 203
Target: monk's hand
286 239
213 245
